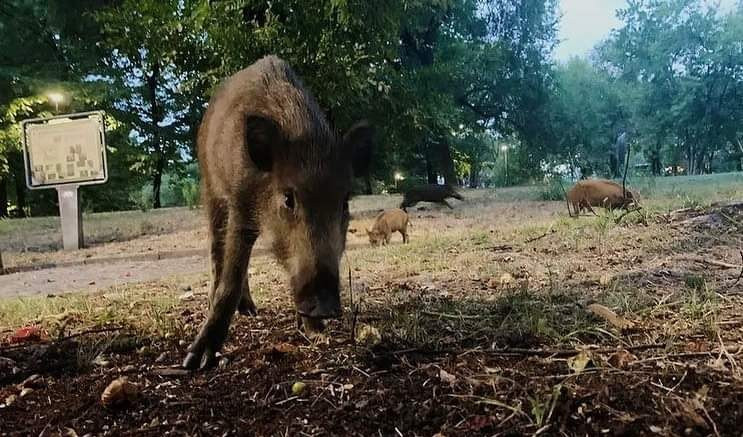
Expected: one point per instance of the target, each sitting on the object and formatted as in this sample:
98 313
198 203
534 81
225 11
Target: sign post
65 152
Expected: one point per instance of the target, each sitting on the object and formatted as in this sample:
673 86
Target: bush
190 192
552 189
142 198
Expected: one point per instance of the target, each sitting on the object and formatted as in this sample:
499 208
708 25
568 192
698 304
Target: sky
586 22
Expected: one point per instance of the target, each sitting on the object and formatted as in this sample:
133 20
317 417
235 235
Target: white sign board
67 149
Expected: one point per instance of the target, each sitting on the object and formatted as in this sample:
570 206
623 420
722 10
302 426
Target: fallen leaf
621 359
580 362
33 381
369 335
611 317
10 400
119 391
101 361
447 377
284 348
26 334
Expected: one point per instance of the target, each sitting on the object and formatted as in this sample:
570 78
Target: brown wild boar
271 165
429 193
387 222
597 192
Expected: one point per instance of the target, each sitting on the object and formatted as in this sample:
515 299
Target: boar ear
358 142
262 135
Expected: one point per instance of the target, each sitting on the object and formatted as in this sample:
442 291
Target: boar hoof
312 326
247 307
202 361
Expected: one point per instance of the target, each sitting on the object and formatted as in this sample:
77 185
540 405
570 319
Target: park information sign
64 152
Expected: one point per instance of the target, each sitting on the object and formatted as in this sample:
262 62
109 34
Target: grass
143 308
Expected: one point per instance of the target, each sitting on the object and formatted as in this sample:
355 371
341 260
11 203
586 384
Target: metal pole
71 217
506 167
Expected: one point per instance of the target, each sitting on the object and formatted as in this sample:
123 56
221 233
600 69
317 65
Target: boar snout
320 298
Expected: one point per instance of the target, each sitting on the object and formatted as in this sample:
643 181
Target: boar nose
322 300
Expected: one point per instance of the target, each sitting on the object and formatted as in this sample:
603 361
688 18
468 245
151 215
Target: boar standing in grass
429 193
598 192
387 222
271 165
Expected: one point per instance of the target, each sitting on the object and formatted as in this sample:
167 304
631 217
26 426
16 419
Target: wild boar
598 192
387 222
271 165
429 193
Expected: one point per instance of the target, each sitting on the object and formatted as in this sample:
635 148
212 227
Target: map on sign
65 150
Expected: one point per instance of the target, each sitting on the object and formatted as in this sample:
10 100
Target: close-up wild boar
387 222
429 193
588 193
271 165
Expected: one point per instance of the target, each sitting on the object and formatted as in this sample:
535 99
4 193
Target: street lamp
56 98
398 177
504 149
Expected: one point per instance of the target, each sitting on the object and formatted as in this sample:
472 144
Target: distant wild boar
387 222
271 165
429 193
598 192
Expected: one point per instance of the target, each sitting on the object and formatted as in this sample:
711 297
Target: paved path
90 277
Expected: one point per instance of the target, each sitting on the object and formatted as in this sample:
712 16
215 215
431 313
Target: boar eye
289 200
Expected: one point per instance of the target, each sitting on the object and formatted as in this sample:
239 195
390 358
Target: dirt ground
485 324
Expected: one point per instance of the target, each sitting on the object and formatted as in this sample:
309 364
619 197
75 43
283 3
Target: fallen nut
118 391
298 387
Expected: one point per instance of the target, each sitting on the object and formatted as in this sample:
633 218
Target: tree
149 46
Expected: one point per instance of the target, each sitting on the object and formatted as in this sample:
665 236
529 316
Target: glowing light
56 98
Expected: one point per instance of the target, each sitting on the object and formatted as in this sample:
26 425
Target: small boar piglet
387 222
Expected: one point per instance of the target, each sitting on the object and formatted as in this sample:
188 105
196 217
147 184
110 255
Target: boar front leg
216 211
239 239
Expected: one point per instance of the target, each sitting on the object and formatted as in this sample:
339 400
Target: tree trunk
447 164
4 196
474 173
15 162
430 173
157 181
156 117
368 183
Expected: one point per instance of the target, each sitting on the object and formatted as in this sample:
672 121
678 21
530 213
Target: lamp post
504 149
56 98
398 177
